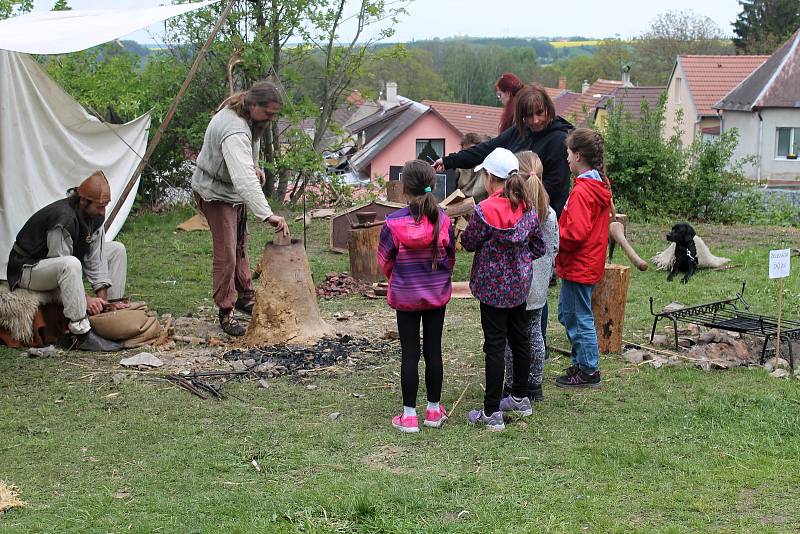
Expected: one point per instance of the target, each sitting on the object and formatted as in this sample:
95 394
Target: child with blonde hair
530 167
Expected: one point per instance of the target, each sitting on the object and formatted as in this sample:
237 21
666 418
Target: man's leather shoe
94 343
244 305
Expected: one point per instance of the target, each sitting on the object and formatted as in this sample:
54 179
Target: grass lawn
667 450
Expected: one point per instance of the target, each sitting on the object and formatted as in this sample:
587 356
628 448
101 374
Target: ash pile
343 350
341 284
712 349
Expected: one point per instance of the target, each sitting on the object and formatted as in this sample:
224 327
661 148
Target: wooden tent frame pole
151 147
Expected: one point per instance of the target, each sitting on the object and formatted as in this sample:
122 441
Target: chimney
562 82
585 86
626 76
391 93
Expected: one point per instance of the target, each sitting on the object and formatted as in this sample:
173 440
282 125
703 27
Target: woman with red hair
507 87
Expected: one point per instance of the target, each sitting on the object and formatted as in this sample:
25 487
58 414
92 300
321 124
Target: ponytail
419 181
589 144
515 189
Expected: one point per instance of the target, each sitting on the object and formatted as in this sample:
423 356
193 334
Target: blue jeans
575 313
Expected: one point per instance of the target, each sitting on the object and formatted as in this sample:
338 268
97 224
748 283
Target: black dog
682 235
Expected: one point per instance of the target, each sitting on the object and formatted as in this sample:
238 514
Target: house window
430 149
677 90
788 144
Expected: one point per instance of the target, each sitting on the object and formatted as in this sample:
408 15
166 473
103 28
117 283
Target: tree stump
286 308
608 306
394 191
363 247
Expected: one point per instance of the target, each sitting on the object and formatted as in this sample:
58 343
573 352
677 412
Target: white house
765 108
695 84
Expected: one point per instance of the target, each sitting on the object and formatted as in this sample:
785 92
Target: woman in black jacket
536 127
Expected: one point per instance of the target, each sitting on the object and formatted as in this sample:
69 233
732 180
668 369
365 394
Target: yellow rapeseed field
571 44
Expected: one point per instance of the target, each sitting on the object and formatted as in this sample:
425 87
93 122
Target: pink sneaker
435 418
405 423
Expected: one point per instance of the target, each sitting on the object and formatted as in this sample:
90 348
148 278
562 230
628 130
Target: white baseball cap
501 163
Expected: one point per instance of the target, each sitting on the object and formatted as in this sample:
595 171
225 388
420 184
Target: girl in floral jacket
506 236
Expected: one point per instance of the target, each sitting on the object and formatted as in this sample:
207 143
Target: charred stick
185 384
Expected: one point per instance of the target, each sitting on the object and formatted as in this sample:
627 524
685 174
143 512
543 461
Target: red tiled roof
712 77
467 118
554 93
630 98
597 92
564 101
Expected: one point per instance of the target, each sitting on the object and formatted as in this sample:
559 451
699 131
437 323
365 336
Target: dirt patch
746 505
374 323
385 458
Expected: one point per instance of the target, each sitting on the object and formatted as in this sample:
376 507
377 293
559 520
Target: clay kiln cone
286 308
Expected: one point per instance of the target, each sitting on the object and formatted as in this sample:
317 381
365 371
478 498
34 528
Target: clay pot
365 217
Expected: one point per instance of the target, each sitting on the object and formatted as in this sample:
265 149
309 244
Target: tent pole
151 147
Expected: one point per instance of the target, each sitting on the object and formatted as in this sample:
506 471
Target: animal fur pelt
9 496
18 308
706 260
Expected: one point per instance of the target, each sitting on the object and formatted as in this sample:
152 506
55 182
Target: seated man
64 241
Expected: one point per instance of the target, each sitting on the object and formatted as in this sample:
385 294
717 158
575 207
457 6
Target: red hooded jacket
583 232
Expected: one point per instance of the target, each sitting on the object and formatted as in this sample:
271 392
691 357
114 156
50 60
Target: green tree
411 68
12 8
342 61
611 56
671 34
578 69
763 25
249 47
61 5
471 71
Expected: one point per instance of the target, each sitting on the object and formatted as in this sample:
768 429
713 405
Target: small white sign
779 263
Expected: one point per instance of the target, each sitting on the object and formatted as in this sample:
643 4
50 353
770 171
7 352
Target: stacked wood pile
459 208
340 284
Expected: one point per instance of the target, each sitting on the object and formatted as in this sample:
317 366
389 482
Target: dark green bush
654 177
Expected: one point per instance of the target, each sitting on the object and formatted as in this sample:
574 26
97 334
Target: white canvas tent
48 142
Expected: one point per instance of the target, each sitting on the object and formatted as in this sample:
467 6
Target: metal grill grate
726 315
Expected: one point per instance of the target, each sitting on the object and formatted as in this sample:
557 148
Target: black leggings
408 328
501 326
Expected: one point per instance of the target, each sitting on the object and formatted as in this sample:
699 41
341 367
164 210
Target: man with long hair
65 241
226 182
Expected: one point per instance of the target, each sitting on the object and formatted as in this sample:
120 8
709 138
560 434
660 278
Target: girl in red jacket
583 238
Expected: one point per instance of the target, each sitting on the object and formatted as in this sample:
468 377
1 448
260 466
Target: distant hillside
548 49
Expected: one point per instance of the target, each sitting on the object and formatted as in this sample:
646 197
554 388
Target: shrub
654 177
642 166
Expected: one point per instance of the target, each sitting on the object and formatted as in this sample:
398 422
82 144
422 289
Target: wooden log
394 191
608 306
363 247
616 232
453 198
461 209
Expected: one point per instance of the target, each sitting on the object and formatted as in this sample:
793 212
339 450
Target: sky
502 18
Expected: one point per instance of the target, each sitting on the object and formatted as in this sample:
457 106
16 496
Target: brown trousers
231 263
